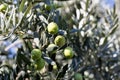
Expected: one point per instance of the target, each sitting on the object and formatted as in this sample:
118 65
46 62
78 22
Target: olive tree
49 40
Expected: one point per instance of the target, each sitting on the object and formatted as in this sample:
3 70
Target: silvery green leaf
43 19
82 5
62 32
48 59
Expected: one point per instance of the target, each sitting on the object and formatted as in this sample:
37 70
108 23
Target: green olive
3 7
68 52
78 76
52 28
55 67
39 64
60 41
36 54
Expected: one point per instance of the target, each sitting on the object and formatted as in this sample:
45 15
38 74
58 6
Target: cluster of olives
39 63
59 40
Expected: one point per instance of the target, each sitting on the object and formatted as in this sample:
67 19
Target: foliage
87 30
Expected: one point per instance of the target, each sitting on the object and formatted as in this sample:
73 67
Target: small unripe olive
68 52
60 41
39 64
3 7
52 28
78 76
36 54
55 67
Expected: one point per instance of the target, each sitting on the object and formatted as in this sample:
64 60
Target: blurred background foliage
89 29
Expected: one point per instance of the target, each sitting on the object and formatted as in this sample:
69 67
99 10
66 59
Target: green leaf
114 10
29 44
28 9
25 59
18 60
87 4
113 29
105 40
22 58
115 21
22 5
62 72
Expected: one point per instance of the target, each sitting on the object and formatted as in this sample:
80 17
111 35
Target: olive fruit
78 76
68 52
55 67
3 7
52 48
36 54
60 41
39 64
52 28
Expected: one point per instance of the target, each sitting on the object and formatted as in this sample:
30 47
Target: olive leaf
62 72
20 58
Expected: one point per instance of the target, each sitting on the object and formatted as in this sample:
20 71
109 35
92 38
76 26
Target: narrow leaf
113 29
22 5
62 72
28 9
87 4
